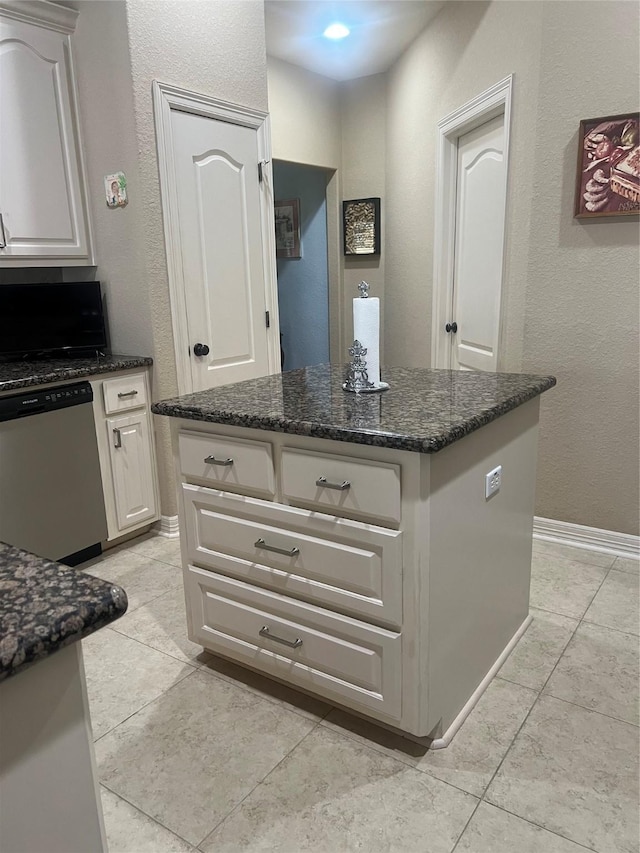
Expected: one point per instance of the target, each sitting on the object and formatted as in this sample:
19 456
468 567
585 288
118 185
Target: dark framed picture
608 173
361 226
287 214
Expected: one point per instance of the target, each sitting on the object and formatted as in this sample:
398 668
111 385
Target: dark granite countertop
45 606
22 374
423 411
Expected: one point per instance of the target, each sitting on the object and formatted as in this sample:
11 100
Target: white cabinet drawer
226 463
126 392
342 485
337 657
332 562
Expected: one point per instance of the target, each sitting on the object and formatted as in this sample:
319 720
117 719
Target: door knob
451 327
200 349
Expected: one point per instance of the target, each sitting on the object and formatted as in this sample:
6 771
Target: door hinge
267 319
261 165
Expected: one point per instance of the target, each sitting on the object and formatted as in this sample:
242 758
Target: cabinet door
42 200
131 469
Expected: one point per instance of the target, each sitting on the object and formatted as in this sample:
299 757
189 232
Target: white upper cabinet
43 202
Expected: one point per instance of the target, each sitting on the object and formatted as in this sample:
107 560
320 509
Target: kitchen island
49 798
372 549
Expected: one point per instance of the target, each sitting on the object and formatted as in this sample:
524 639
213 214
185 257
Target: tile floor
196 754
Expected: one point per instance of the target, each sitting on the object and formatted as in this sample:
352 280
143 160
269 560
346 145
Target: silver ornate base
383 386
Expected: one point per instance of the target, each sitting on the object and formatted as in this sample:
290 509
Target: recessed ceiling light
336 31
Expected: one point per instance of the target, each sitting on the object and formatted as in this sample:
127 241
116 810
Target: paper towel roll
366 329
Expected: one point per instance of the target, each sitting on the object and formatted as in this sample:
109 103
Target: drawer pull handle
211 460
264 632
117 437
341 487
122 394
288 552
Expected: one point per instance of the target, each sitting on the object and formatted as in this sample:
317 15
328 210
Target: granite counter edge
65 374
414 443
32 634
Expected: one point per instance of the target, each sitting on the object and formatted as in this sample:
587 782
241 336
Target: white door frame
165 99
489 104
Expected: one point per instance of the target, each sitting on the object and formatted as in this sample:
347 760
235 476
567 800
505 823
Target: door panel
221 247
480 209
131 469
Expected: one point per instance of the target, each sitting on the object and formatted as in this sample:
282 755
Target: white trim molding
489 104
168 526
52 16
165 99
588 538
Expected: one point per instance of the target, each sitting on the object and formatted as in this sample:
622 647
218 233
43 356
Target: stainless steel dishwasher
50 486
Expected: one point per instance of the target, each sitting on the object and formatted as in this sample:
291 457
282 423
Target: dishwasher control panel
44 400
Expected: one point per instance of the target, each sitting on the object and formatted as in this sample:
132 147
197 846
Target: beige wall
582 300
571 288
305 115
363 122
105 95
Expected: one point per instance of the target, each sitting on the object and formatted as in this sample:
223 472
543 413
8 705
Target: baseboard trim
168 526
447 737
588 538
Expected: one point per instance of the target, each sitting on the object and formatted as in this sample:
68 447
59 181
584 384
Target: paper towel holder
357 376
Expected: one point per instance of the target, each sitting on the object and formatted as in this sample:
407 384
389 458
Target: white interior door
217 202
216 170
479 243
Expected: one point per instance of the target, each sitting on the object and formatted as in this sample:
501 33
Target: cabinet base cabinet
398 597
131 469
127 452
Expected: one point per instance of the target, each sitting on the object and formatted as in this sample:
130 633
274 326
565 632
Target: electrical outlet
492 482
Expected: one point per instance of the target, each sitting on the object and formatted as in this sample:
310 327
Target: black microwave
49 320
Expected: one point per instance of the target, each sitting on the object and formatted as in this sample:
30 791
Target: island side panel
479 556
49 793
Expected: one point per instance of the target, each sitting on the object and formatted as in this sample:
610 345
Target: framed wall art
361 226
608 173
287 215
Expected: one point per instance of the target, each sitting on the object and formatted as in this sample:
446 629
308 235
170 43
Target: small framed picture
287 215
608 173
361 226
116 189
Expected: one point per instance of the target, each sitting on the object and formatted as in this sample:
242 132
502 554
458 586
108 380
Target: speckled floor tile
626 564
574 772
616 604
158 548
334 795
599 670
142 578
162 624
563 586
130 831
493 830
267 688
191 756
477 749
539 649
543 550
123 676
